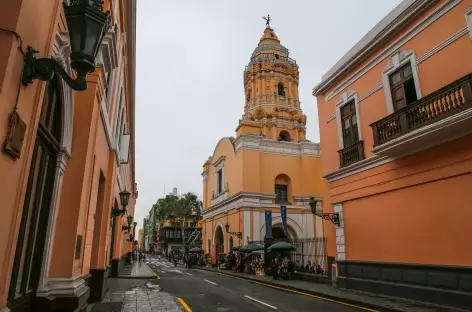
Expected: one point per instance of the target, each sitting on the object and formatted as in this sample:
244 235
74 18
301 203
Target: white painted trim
468 18
360 166
260 143
217 225
443 44
346 98
399 59
394 46
247 225
331 118
256 215
277 219
340 236
61 52
370 92
247 200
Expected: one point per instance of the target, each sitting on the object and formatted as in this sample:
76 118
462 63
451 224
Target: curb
380 308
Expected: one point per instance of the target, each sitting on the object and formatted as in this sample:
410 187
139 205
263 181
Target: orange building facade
59 185
268 164
395 117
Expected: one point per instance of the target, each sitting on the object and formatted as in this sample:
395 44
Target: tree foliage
173 206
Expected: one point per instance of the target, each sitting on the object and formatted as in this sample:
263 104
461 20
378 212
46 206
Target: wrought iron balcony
433 118
351 154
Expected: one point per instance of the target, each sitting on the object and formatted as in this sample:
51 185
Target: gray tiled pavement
149 300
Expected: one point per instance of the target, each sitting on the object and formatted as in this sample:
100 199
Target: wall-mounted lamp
87 25
333 217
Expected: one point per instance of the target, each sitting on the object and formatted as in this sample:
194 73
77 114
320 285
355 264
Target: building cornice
397 20
260 143
243 200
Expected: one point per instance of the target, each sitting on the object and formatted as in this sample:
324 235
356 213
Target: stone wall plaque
15 135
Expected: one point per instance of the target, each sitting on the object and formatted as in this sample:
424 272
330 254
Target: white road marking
187 273
266 304
213 283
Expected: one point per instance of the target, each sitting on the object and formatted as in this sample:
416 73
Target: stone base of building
98 284
117 265
442 285
64 295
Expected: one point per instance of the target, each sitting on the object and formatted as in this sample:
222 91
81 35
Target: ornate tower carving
271 88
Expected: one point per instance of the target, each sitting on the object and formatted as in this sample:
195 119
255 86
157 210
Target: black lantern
333 217
227 227
124 197
130 220
87 26
237 234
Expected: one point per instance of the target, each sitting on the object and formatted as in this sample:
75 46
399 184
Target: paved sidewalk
135 295
373 301
149 300
136 270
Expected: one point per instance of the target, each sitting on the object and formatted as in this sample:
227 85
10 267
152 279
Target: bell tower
272 106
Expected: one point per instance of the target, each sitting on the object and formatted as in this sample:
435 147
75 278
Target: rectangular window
349 124
119 116
78 246
219 181
403 88
107 87
281 194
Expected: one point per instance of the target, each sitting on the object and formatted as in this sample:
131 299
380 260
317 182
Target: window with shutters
349 126
402 86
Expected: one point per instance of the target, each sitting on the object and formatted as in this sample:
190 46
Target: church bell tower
272 106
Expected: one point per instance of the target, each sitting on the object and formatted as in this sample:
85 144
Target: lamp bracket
237 234
45 68
333 217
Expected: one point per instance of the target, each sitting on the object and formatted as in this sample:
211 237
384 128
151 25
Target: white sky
190 60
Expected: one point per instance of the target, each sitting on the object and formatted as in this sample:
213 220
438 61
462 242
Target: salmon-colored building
395 117
268 164
66 155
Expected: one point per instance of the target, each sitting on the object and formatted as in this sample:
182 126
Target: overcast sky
190 60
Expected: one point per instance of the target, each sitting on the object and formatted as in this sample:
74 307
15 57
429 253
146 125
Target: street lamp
130 220
124 197
237 234
333 217
87 25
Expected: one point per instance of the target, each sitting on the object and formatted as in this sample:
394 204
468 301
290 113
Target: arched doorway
26 273
219 241
278 232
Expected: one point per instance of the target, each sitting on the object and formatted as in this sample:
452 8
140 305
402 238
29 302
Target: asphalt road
205 291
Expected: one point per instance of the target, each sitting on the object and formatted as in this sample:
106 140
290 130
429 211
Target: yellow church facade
268 164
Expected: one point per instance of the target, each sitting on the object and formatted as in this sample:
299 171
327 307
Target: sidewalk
135 295
368 300
136 270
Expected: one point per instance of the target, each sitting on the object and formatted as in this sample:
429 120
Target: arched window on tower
281 89
248 95
284 136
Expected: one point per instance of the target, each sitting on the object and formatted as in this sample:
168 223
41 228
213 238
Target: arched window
248 95
282 189
281 89
284 136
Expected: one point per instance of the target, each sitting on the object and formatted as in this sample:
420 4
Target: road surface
205 291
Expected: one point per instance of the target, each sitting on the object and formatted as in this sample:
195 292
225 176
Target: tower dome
271 87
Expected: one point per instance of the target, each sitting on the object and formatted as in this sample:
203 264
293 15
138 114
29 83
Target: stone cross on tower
267 19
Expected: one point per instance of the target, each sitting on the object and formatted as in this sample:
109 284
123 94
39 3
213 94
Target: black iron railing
449 100
351 154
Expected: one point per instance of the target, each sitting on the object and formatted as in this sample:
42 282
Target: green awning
281 246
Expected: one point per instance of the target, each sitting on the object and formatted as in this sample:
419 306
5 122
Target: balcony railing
351 154
447 101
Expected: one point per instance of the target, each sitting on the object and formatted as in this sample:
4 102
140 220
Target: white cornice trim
219 161
260 143
357 167
250 200
353 57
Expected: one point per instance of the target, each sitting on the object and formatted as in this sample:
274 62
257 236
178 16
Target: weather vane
267 19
